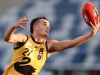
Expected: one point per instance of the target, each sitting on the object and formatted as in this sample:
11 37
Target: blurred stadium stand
66 23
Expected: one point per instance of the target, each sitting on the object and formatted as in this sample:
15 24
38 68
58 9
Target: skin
41 32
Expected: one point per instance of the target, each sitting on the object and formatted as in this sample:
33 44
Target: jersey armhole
46 50
21 43
46 46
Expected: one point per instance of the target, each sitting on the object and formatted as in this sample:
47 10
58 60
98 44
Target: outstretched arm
9 35
56 46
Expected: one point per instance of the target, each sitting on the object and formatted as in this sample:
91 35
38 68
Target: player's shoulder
51 42
23 36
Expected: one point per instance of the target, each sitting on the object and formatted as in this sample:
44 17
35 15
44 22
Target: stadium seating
66 23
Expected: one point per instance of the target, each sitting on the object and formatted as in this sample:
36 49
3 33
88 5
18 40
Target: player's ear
35 27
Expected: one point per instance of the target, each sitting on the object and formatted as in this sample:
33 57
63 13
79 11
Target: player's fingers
22 26
24 18
95 21
98 19
26 22
92 24
22 23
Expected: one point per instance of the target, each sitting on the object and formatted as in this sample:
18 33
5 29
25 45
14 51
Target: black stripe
34 40
46 49
46 46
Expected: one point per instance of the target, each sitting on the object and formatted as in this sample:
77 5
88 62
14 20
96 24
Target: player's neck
38 38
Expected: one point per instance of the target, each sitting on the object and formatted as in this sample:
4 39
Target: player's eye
45 24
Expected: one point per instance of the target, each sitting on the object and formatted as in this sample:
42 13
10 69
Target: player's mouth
47 31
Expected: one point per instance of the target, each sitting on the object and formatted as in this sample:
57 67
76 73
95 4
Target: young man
31 51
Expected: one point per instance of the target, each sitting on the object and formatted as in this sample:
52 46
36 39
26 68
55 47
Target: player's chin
46 35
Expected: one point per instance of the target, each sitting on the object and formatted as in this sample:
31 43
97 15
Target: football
89 13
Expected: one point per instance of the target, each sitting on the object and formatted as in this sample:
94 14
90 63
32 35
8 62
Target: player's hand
24 20
96 25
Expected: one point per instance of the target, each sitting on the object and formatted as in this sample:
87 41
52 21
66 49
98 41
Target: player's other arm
56 46
9 35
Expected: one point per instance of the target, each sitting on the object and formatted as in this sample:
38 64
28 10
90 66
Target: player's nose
48 27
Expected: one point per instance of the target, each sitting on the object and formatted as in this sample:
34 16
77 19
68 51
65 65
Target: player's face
43 27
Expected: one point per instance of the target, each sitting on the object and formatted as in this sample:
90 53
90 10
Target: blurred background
66 23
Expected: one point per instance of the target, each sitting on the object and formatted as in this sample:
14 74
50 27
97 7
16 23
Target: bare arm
56 46
9 35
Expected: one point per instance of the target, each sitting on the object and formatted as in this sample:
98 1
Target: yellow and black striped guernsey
28 58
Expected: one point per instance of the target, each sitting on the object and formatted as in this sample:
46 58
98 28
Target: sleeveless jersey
28 59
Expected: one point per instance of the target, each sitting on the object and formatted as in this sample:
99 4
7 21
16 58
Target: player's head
40 25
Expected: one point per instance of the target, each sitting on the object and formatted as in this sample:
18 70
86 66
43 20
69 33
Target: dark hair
33 22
